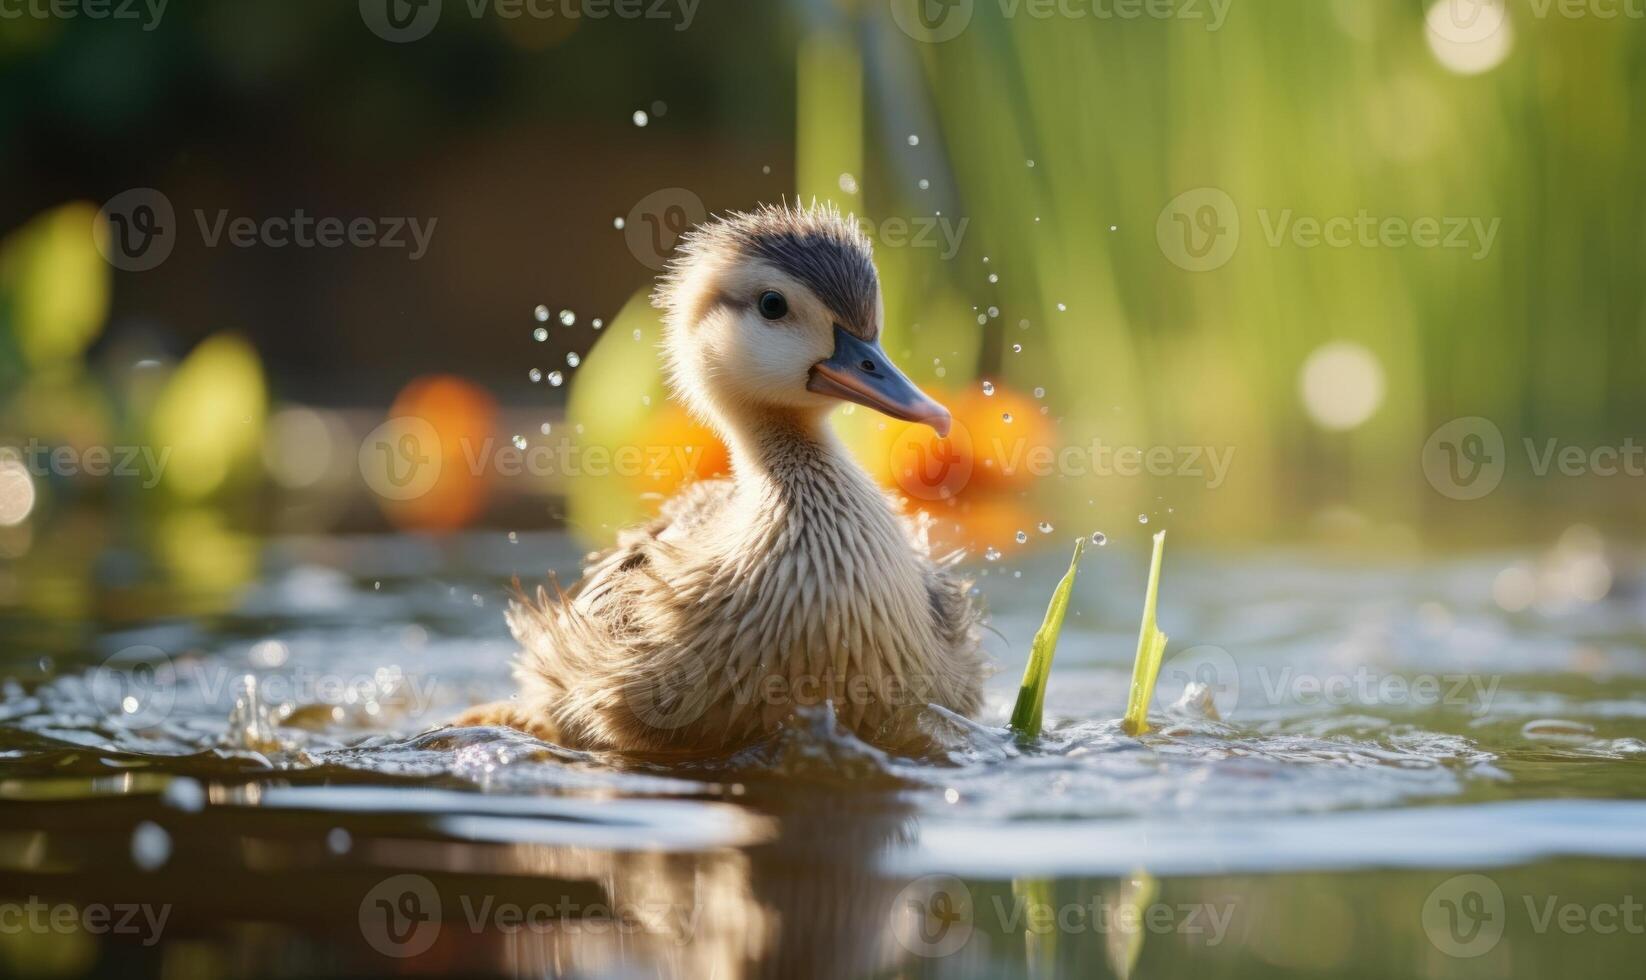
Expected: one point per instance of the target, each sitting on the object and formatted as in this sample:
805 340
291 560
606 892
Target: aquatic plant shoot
1151 649
1031 697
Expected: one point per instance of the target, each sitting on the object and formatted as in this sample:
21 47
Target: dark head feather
816 246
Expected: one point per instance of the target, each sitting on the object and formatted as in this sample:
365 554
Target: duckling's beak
860 372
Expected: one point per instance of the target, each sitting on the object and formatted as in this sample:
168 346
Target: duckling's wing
956 616
605 573
578 647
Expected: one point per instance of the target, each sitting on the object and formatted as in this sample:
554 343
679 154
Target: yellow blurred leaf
208 420
54 284
614 394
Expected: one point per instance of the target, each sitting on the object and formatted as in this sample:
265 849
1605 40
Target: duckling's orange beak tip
859 371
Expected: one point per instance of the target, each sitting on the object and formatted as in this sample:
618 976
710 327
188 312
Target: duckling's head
779 310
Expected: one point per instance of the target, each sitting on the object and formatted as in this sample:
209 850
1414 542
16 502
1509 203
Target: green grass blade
1031 697
1151 649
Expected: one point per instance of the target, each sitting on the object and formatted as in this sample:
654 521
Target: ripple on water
411 654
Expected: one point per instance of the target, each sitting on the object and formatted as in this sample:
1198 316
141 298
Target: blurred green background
1299 237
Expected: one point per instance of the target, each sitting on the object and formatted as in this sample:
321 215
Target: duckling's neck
780 444
789 466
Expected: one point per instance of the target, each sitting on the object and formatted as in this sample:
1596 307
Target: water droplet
988 387
339 841
1017 348
545 428
1061 308
540 335
994 311
1031 163
1040 393
514 537
914 140
994 277
572 359
150 846
519 442
942 372
848 184
637 336
766 168
991 554
535 375
1114 227
556 378
567 318
597 323
184 794
542 314
1022 537
982 318
660 108
618 222
1143 518
640 117
1006 417
1099 538
923 184
1044 527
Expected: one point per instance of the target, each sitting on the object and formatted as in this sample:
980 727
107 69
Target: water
1380 772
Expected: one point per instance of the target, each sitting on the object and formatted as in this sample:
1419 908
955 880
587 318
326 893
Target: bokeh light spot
16 492
1469 37
1342 385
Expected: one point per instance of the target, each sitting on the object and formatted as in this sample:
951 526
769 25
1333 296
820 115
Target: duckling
795 581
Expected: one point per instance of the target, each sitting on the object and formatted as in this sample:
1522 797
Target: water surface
1401 775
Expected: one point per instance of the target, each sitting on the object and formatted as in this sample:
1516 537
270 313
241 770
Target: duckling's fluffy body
796 581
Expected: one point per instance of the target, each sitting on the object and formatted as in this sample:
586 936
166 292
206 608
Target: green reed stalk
1151 649
1031 697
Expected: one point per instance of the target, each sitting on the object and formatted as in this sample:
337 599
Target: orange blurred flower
678 450
971 482
983 453
421 462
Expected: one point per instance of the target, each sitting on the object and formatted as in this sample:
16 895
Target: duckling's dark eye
773 305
